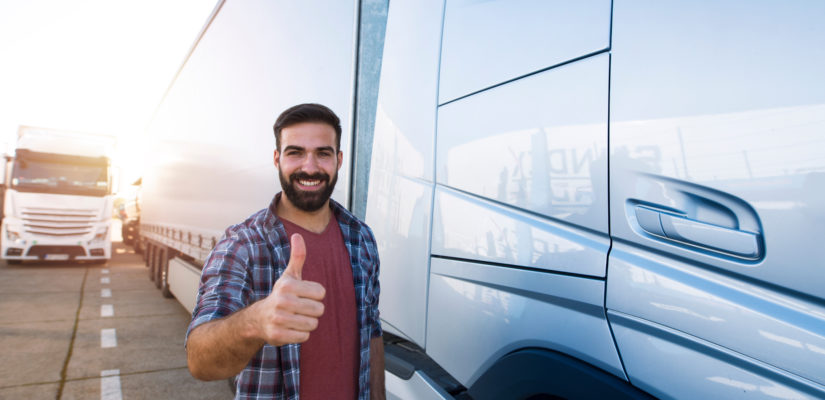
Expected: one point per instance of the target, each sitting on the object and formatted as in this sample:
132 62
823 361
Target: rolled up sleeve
224 287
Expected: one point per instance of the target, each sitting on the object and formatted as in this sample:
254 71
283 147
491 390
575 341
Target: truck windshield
60 174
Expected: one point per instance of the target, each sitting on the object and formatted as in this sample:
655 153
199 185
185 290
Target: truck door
717 197
488 188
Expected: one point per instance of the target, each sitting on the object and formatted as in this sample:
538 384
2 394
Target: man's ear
340 159
276 158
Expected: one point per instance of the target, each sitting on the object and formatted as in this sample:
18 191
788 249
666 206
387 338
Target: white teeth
309 183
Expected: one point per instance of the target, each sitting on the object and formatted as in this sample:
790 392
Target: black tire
129 233
148 250
150 261
160 260
14 262
124 234
139 246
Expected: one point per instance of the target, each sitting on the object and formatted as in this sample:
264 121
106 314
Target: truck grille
58 222
42 251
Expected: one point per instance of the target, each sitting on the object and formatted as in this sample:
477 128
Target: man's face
308 164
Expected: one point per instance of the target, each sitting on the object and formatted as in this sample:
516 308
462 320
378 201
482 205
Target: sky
99 66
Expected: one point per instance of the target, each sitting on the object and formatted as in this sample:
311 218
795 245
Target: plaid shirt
242 269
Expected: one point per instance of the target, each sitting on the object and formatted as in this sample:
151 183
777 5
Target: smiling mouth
308 192
309 182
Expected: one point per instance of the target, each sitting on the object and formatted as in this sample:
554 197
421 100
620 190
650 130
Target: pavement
88 331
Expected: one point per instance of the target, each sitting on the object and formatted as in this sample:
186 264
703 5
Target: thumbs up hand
292 310
297 256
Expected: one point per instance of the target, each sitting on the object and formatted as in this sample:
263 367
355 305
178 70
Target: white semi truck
58 199
572 199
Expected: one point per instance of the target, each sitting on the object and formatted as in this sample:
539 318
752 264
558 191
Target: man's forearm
377 391
222 348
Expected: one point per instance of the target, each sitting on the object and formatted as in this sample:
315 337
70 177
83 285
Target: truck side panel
510 309
519 194
535 146
401 174
490 42
708 143
717 193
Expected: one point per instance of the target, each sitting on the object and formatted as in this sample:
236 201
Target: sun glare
96 66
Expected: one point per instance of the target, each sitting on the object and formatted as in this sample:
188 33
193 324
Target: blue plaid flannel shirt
242 269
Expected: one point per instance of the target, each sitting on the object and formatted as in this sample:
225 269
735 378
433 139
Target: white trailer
212 161
58 199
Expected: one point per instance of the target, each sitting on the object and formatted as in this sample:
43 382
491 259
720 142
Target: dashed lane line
107 310
108 338
110 385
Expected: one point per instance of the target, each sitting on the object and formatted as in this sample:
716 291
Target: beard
305 200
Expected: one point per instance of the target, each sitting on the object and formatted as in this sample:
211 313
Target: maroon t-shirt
329 359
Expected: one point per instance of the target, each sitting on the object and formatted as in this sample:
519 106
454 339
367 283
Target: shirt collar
341 214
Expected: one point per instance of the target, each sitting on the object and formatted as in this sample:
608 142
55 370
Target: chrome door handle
685 230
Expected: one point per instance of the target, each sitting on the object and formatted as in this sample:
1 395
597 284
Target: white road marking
110 385
105 279
104 271
107 310
106 292
108 338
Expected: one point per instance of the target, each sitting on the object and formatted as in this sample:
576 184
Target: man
288 299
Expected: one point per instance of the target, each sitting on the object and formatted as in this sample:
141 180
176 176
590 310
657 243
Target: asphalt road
86 331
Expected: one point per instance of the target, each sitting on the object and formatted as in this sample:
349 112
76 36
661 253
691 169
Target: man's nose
311 164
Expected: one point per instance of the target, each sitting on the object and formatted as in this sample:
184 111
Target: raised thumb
297 255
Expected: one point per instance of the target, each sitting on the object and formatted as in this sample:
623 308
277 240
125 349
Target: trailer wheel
150 261
13 262
127 232
139 245
160 261
146 249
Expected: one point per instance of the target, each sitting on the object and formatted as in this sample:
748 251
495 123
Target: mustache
322 176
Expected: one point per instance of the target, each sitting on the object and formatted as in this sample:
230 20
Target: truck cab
58 199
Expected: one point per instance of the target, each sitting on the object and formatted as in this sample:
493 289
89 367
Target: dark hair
308 112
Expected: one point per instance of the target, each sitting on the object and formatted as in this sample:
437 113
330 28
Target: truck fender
544 374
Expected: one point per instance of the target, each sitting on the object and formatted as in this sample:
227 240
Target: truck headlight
101 235
12 235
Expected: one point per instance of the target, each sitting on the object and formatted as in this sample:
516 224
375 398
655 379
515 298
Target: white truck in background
58 197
